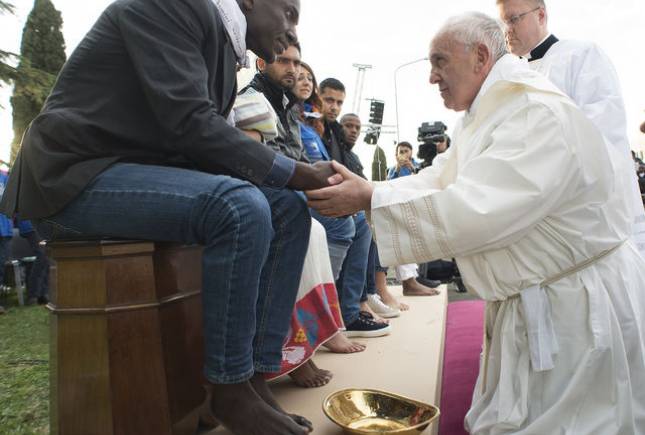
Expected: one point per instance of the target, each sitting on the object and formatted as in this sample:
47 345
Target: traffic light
376 112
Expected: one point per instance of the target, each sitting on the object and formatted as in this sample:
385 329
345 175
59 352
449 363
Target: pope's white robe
585 73
527 191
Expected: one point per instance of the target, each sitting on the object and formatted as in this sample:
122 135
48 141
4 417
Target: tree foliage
42 54
7 72
379 165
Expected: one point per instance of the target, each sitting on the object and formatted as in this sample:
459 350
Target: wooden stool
126 338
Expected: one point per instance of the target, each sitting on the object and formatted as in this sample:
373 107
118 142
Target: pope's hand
350 196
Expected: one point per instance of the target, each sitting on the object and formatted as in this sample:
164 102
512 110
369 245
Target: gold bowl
372 411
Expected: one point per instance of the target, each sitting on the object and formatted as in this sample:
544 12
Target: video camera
429 136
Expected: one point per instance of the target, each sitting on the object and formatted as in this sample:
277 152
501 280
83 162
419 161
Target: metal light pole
396 93
360 81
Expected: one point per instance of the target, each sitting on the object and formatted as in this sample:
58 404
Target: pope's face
524 25
454 72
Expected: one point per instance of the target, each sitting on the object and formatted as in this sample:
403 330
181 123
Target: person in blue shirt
348 238
6 232
405 163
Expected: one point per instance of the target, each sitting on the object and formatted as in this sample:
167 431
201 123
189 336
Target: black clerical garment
152 82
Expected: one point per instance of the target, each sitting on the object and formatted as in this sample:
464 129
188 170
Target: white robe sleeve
426 181
497 196
595 87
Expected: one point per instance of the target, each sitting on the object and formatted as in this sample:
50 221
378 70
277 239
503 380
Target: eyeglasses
513 20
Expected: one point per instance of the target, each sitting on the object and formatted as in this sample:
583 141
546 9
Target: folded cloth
252 111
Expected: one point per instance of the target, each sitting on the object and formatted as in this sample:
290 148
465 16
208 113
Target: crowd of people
146 136
284 107
37 273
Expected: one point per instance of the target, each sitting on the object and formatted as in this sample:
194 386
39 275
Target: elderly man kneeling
529 203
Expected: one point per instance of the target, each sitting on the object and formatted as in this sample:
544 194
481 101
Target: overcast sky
338 33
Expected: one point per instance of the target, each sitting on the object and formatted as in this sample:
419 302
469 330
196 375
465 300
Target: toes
302 421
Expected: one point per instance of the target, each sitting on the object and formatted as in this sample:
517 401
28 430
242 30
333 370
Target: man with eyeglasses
582 71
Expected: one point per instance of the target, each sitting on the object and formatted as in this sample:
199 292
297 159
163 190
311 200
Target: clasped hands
345 193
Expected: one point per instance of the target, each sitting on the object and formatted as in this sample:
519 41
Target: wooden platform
407 362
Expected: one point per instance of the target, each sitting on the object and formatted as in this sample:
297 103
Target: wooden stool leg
107 365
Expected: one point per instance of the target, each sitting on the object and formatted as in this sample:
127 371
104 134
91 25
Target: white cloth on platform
528 190
585 73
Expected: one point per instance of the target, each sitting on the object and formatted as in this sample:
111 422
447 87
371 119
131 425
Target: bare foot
319 370
240 408
310 376
389 299
261 387
341 344
376 317
411 287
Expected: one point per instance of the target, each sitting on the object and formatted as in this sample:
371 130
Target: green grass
24 370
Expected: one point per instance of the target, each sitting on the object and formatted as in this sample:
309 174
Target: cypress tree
6 70
42 54
379 165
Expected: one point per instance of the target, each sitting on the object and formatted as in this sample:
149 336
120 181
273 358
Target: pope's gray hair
472 28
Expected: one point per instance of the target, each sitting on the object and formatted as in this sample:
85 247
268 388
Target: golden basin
372 411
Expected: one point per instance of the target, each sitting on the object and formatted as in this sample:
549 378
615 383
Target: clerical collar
539 51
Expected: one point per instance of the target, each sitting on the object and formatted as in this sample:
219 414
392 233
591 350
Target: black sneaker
365 326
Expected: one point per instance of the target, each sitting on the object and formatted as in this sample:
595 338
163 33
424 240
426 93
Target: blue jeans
351 283
370 275
254 239
340 235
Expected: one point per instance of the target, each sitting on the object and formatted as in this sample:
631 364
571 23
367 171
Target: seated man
134 142
526 200
351 282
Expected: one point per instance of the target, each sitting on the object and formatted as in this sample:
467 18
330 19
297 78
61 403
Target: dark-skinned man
345 239
351 281
134 142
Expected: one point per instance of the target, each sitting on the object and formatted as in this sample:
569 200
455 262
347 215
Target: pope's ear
483 57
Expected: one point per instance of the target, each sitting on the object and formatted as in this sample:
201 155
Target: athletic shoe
381 308
363 326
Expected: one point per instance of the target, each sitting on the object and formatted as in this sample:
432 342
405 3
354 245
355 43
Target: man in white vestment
582 71
528 201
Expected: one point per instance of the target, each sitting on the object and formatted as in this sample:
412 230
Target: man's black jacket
289 141
334 139
152 82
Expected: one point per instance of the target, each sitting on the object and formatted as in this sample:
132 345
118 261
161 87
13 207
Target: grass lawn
24 370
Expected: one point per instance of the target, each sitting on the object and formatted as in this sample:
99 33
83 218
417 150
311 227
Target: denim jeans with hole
254 239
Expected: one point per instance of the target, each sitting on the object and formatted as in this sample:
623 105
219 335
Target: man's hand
308 177
350 196
404 163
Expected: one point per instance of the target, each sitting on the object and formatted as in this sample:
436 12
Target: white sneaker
379 307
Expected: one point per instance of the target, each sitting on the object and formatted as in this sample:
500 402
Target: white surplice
529 190
585 73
